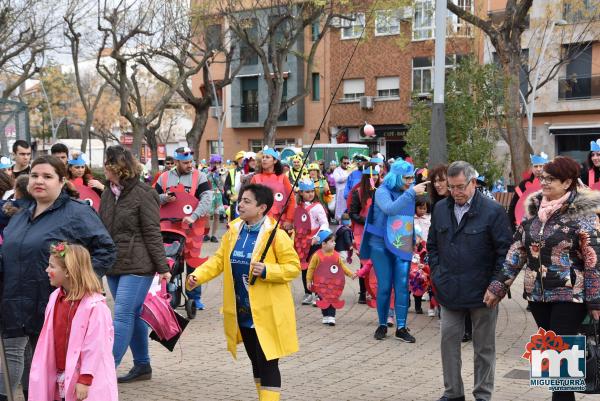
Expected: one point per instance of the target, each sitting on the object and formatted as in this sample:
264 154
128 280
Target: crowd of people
415 231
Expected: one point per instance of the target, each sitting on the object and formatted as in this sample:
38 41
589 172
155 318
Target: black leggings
265 372
563 318
306 290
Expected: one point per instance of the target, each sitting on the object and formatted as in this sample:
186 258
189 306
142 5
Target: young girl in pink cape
73 357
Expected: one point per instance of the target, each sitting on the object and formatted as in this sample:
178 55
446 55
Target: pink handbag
159 315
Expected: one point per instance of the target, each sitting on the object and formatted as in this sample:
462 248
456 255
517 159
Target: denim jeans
129 292
19 353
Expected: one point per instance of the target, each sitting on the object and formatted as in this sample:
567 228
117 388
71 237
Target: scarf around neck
547 208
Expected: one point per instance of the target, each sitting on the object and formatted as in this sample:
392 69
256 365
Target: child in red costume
326 276
309 218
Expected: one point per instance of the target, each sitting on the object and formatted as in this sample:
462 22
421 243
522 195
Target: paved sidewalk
334 363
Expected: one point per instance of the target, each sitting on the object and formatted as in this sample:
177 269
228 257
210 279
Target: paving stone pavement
334 363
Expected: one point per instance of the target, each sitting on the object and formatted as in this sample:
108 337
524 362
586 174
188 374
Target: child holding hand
73 358
325 276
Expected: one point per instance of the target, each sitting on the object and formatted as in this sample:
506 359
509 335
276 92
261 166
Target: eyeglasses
546 179
459 188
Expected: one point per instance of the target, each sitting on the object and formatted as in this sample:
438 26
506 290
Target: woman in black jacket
360 201
53 216
130 212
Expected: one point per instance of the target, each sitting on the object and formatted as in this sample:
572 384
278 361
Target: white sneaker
331 321
315 298
325 319
431 313
307 299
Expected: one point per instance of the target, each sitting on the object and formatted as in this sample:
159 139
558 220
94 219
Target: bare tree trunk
153 145
138 134
517 141
270 124
194 135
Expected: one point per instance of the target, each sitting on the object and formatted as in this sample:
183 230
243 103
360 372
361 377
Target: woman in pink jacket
73 359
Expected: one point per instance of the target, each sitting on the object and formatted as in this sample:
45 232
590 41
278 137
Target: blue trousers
391 272
129 292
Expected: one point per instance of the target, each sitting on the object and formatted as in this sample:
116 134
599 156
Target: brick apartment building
394 64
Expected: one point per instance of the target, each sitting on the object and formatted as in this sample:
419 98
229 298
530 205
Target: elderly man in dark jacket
467 244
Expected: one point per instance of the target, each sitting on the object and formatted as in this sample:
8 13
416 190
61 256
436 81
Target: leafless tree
126 29
185 46
506 34
25 30
271 30
89 91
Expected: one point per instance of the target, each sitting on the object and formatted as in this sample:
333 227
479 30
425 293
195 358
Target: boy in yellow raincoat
262 315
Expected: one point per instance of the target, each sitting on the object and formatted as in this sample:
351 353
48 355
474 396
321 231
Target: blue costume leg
401 294
383 263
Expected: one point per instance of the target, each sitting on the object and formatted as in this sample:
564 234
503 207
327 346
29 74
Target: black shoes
206 238
467 337
403 335
362 298
444 398
137 373
418 310
380 333
214 239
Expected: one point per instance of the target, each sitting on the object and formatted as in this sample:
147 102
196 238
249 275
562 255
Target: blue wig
394 180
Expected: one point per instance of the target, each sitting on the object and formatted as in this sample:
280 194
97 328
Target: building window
214 38
247 54
213 147
353 29
579 83
387 22
316 87
456 26
422 75
284 143
278 41
283 116
249 104
354 89
423 20
255 145
315 29
388 87
582 10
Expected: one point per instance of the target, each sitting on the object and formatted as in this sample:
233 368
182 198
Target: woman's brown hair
122 163
439 171
6 183
76 260
564 168
365 190
60 169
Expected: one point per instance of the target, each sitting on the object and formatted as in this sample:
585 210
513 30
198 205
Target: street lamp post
531 108
219 116
49 111
438 142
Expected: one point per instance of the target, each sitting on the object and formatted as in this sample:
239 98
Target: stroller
183 245
174 244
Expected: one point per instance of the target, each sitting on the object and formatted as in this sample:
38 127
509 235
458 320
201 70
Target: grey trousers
484 347
19 353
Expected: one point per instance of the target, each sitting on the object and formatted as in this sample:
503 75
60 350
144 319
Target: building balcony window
249 113
579 87
581 11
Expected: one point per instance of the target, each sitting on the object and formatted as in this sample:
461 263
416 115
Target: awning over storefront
574 129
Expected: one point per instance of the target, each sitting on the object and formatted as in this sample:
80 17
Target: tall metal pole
49 111
438 143
218 108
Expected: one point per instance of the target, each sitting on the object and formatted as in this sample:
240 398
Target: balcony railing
579 87
249 113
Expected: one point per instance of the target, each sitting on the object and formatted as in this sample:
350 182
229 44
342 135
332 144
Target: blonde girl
73 358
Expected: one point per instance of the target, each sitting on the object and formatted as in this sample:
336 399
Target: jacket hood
582 202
